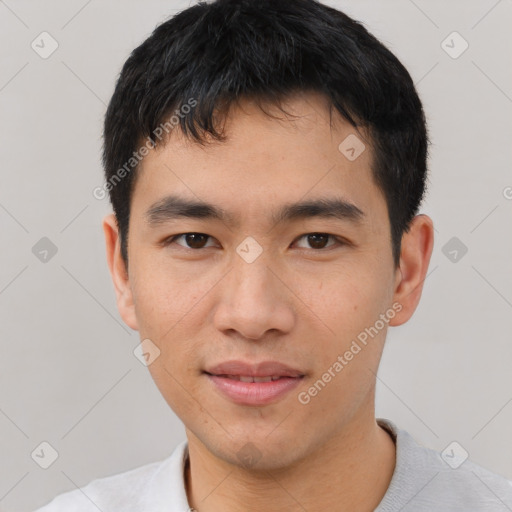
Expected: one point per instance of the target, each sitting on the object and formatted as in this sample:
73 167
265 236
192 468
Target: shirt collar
166 489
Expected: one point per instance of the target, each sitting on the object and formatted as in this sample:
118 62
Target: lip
262 369
254 393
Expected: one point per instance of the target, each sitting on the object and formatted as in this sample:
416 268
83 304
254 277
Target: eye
319 240
190 240
196 241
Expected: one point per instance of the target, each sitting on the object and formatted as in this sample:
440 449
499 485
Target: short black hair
216 53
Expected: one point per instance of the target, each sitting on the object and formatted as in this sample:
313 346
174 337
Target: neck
348 472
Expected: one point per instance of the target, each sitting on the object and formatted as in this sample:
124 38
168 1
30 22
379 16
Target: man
266 161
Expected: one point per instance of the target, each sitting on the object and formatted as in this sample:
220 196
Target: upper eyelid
173 238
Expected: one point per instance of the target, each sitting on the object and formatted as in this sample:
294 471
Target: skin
296 303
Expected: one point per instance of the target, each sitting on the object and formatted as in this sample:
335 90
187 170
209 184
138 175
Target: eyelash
338 241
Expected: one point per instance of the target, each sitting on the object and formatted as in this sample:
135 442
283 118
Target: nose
254 301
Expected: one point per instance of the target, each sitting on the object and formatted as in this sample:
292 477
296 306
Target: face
290 261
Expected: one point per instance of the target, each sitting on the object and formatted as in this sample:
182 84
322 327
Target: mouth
248 378
272 370
254 384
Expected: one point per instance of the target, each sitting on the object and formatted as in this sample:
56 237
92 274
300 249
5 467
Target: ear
415 252
118 272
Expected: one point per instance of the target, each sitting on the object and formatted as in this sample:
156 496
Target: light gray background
68 374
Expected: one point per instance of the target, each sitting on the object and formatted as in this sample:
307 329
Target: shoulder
130 491
424 479
120 490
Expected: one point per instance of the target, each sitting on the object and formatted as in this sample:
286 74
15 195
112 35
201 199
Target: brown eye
317 241
196 240
190 240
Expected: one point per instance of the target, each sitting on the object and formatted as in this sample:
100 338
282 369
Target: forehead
268 158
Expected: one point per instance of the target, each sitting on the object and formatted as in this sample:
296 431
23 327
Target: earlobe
415 253
118 272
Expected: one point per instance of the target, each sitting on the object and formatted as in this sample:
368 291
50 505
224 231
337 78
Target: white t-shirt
422 482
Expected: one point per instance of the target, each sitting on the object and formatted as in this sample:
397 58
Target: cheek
344 306
346 299
172 311
176 384
165 297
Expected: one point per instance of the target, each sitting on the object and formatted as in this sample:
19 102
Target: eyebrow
174 207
